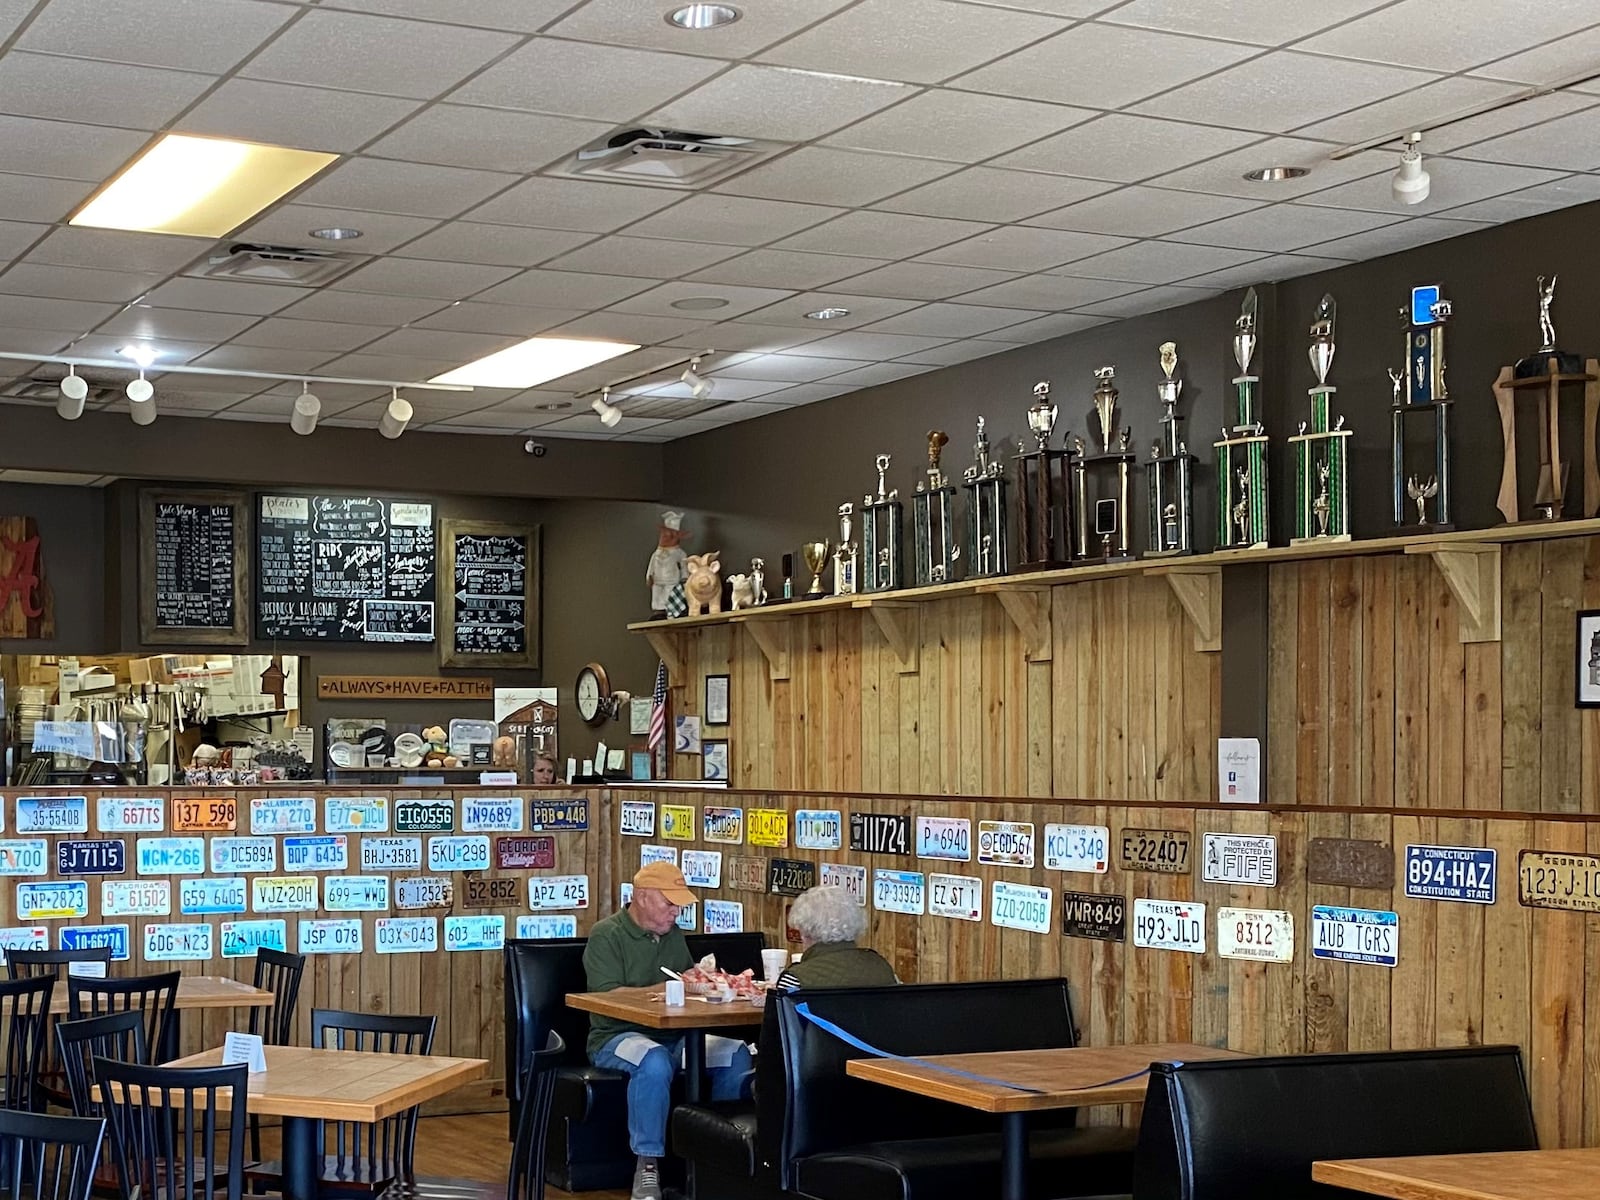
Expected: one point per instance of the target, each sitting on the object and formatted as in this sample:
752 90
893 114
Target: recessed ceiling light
198 186
703 16
827 314
1276 174
139 353
337 233
555 406
699 303
530 363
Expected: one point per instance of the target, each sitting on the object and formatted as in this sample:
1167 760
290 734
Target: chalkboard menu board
490 595
193 567
344 569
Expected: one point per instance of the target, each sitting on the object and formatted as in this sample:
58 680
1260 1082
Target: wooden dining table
1509 1175
647 1006
1014 1083
194 991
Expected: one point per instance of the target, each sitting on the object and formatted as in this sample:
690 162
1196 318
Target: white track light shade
1411 183
699 386
307 408
74 390
395 418
143 412
68 408
140 390
609 414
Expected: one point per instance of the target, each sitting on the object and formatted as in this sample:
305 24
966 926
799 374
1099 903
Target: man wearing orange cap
628 949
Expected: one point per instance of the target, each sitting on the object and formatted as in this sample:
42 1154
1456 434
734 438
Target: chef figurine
668 564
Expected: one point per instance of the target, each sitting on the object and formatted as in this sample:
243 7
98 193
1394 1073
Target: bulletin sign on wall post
194 567
489 594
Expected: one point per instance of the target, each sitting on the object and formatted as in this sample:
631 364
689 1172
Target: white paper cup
773 963
675 993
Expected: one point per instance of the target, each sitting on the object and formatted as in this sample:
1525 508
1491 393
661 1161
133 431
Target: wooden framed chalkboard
344 568
194 567
489 594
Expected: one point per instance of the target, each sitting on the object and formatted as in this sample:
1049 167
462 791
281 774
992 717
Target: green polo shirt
621 954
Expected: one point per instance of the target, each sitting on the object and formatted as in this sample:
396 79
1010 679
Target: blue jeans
650 1087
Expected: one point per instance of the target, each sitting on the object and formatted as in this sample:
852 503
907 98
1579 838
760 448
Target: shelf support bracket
1029 610
773 638
1472 570
1199 590
669 648
901 628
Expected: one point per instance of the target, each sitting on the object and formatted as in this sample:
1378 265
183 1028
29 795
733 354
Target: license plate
880 833
898 891
327 852
492 813
176 943
1462 873
171 855
686 918
476 932
1263 934
1239 858
1170 925
558 816
391 854
109 857
702 868
818 829
406 935
767 827
677 822
425 816
424 891
232 856
851 879
790 876
131 815
1006 843
724 916
1082 848
638 818
1360 935
944 837
284 893
241 939
355 814
1020 906
36 901
207 895
356 893
547 927
340 935
1092 915
558 891
649 854
283 814
722 825
137 898
53 814
204 814
1350 862
1163 850
26 937
22 856
461 853
959 897
97 937
1546 879
491 893
746 874
525 853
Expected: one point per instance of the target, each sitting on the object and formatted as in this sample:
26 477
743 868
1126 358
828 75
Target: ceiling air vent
667 157
274 264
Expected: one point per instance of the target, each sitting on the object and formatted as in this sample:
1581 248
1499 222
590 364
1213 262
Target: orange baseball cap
666 879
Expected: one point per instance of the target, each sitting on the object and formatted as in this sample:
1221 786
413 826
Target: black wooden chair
30 964
176 1132
49 1157
117 1036
279 973
25 1017
152 996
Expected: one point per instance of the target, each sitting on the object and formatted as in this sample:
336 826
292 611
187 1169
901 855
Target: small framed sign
1587 666
716 700
194 567
489 576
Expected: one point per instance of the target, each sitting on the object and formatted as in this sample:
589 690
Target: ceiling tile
874 347
403 367
958 126
417 277
731 220
987 194
564 289
256 358
1283 227
1566 143
1454 182
163 325
1546 197
783 269
1124 148
629 327
410 189
863 311
1142 212
1391 239
285 333
722 389
190 35
777 102
1268 269
361 308
484 420
923 41
1263 22
291 225
818 175
520 16
99 93
573 204
647 258
1224 175
746 335
952 353
438 343
1469 131
786 368
226 295
33 341
357 52
29 312
806 393
74 283
1040 329
574 79
35 198
1283 90
17 236
109 346
658 301
1565 58
1157 262
953 320
617 23
1048 292
492 139
1459 34
1017 248
498 245
1417 109
75 246
924 281
878 374
498 318
878 234
286 114
1151 300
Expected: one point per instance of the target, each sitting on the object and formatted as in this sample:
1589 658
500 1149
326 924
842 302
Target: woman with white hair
830 922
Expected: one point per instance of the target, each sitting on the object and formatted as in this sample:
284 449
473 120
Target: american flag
658 707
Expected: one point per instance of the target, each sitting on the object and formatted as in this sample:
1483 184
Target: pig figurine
703 588
744 591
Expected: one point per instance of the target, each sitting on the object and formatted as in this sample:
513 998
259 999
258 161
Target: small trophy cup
1171 471
880 533
1242 452
1044 498
1321 462
985 485
1421 389
847 555
816 559
932 511
1102 479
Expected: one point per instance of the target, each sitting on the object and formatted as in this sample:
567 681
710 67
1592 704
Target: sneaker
646 1180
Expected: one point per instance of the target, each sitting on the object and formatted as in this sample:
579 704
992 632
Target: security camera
537 449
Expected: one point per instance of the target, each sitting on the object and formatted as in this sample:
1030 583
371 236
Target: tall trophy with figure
1322 451
933 519
880 533
1170 471
985 484
1100 481
1242 451
1044 496
847 554
1421 481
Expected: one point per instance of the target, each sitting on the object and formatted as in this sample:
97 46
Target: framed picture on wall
716 700
641 765
1587 666
715 762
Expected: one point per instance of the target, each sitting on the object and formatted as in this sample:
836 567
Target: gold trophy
816 556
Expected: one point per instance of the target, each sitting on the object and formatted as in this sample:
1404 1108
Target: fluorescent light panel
199 186
535 361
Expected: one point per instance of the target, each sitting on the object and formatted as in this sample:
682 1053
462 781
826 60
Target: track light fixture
1411 183
699 386
608 413
307 408
74 390
143 412
140 390
396 417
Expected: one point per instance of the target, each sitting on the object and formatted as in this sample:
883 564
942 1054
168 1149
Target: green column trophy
1242 452
1321 451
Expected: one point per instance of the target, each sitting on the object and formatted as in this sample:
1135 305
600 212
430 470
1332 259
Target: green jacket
620 954
838 964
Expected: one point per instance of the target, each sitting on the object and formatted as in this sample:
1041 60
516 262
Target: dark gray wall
72 551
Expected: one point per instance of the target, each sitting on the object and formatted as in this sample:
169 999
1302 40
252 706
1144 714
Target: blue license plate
108 857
